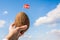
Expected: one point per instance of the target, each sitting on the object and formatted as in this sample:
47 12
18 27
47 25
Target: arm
15 33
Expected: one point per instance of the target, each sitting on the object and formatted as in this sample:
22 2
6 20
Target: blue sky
44 18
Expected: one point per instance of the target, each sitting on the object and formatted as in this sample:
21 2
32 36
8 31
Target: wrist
11 37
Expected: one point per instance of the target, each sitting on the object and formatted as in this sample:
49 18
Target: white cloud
52 17
54 31
5 12
26 37
2 23
53 35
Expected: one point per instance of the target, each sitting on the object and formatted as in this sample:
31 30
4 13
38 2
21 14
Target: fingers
11 26
19 29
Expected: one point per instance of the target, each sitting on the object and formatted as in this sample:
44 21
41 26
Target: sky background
44 18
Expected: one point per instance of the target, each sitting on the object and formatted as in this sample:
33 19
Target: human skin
15 33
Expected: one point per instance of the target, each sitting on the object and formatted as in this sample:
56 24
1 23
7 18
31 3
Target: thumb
22 27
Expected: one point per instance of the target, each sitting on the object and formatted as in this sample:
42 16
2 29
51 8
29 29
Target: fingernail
25 26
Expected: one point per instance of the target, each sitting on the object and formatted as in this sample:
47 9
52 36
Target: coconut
22 19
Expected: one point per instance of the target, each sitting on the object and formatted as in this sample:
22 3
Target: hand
15 33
